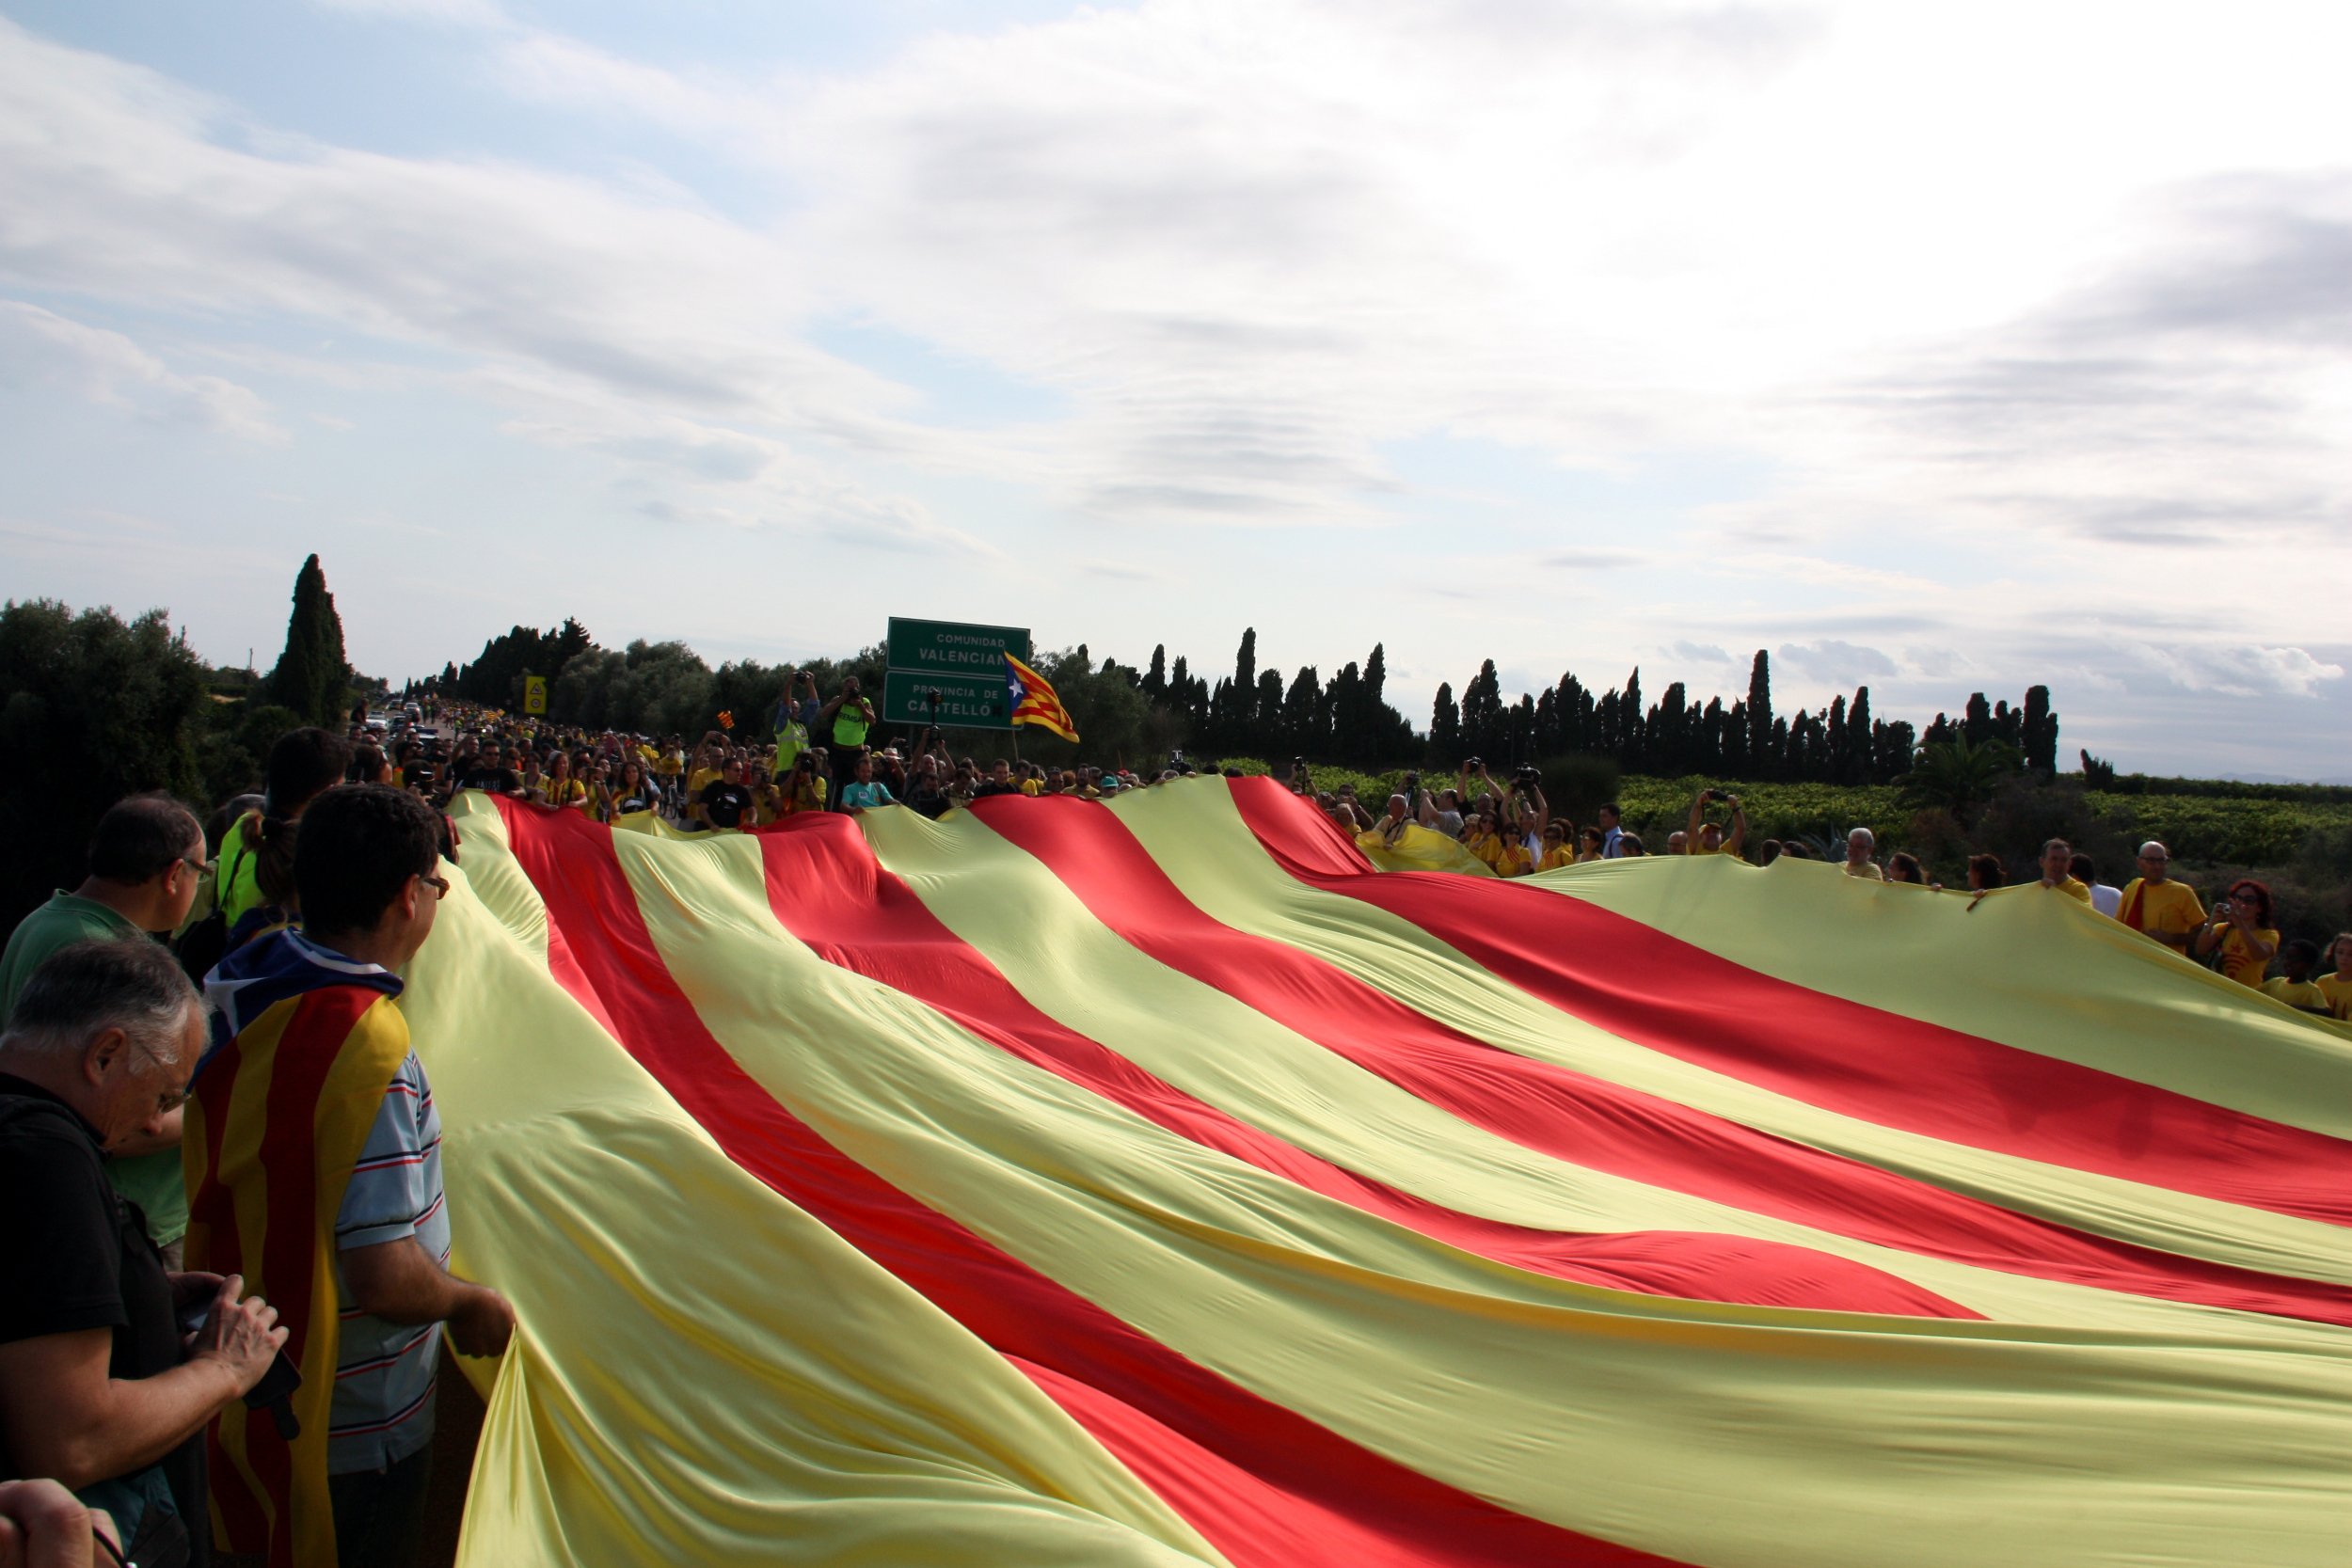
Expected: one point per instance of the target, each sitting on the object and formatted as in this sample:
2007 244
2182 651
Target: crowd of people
825 758
1511 829
163 1145
125 1087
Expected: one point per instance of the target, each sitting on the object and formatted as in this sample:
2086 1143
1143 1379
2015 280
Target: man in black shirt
95 1387
500 775
999 780
726 800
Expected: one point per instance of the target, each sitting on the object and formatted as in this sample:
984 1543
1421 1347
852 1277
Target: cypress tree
1669 731
1483 730
1445 727
1762 753
311 677
1632 749
1265 727
2041 730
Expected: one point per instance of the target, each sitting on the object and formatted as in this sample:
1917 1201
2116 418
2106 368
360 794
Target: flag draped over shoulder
1029 698
305 1044
1159 1183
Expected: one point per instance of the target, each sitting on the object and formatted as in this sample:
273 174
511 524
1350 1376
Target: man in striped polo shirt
314 1010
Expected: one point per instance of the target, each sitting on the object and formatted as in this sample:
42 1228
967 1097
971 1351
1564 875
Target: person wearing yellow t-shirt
1859 843
1557 852
1480 838
804 788
2157 906
560 788
709 765
1504 851
2057 871
2337 987
1702 837
2296 987
2240 930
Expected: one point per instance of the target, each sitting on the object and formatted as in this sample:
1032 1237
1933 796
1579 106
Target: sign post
534 693
950 674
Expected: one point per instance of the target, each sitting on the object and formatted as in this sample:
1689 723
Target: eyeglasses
202 868
438 884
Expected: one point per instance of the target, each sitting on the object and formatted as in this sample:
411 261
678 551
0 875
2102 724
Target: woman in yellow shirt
1497 846
1556 850
633 792
1589 844
2240 927
563 787
2337 988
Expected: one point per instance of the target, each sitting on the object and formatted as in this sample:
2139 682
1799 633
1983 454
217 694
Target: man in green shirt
145 863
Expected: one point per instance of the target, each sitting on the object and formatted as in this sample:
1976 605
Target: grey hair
90 986
1869 839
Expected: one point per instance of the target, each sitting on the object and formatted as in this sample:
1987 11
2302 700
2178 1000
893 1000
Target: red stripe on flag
1307 1471
213 1206
1589 1121
1251 1521
1671 996
827 889
307 1049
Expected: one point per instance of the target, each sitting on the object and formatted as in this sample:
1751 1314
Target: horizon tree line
1345 719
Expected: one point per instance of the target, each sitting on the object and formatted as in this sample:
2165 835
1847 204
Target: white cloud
2238 672
1990 372
106 366
1834 662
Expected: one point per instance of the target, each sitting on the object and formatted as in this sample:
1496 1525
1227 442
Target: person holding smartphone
100 1388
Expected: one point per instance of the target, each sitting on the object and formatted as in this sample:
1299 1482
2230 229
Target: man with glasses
352 1202
99 1388
2157 906
146 863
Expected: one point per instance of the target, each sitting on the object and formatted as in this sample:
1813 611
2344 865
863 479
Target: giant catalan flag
1160 1183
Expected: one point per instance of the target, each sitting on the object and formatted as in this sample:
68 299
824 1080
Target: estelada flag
280 1114
1029 698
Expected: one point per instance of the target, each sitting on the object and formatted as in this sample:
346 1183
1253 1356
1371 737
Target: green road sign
965 702
953 648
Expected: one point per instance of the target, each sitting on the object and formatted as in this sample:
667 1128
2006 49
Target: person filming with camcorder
1705 837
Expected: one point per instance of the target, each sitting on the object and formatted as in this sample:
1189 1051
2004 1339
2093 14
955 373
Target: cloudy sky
1935 346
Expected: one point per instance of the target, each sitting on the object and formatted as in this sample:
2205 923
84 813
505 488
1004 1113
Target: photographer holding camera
2241 930
795 711
1474 784
1527 813
1704 837
842 725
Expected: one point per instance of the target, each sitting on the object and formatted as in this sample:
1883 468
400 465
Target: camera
2222 908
